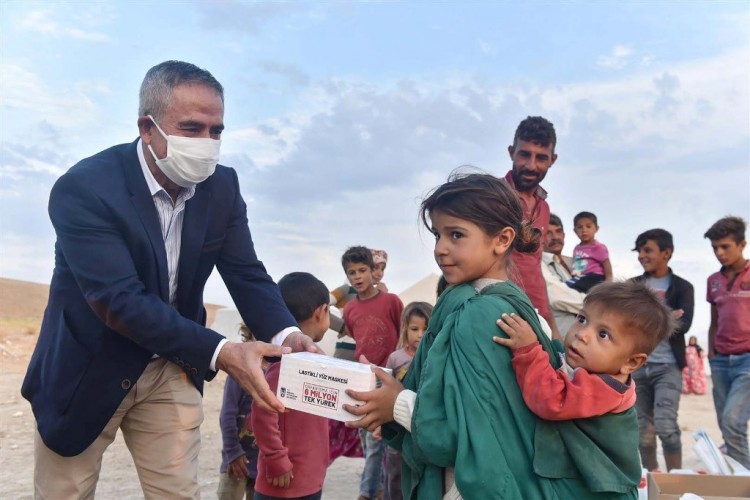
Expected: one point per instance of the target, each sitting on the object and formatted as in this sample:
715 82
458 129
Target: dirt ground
21 308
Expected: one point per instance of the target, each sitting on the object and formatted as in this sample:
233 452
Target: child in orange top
619 325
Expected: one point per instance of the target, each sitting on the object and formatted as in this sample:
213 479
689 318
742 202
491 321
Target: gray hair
157 86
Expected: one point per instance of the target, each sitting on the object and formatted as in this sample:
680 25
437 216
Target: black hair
585 215
486 201
662 237
357 255
727 226
303 293
538 130
554 220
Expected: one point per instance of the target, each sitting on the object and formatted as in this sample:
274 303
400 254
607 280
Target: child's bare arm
607 265
520 334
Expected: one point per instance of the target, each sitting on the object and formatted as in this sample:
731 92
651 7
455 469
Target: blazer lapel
193 235
144 207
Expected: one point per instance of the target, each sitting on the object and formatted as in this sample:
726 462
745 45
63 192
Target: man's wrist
215 358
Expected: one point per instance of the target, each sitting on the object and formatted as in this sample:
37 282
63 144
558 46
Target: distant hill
25 301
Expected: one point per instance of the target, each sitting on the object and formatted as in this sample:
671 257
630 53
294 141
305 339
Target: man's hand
299 342
520 334
243 362
282 481
378 404
237 468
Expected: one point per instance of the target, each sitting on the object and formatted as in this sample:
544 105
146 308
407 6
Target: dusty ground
21 308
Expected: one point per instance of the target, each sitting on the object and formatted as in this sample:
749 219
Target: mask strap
157 126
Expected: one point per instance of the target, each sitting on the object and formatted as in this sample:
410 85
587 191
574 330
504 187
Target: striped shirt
171 214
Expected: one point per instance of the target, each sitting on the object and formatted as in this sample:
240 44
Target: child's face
654 260
599 342
415 329
586 230
464 251
728 252
359 275
378 272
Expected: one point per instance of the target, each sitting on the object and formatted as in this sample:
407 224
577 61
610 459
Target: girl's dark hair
486 201
420 309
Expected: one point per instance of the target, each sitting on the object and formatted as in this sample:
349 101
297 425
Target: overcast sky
341 115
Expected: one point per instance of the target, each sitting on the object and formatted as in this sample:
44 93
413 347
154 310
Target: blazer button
180 363
194 371
125 384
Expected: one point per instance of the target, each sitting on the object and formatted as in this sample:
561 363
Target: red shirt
529 265
732 301
551 395
292 441
374 323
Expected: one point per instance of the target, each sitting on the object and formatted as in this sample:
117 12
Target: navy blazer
108 309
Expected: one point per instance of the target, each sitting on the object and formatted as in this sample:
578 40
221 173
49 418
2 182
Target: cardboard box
709 487
316 384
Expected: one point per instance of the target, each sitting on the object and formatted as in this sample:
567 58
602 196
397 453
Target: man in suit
123 345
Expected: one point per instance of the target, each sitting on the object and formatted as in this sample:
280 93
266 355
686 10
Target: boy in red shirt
728 292
373 319
619 325
293 445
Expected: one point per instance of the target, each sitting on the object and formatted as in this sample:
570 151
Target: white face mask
189 160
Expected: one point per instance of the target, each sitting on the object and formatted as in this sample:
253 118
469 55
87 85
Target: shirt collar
153 185
539 192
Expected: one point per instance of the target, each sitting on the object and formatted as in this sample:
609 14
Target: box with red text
316 384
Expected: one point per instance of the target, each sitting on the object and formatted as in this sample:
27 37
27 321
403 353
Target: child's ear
633 363
504 240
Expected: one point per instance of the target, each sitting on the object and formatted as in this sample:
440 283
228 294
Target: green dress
470 415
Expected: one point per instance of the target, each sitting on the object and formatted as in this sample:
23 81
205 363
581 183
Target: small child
380 258
729 334
294 445
460 419
618 327
413 325
590 257
239 453
373 320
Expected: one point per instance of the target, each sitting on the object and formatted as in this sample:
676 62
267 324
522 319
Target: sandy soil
21 309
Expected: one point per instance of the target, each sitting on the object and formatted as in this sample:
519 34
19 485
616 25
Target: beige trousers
160 420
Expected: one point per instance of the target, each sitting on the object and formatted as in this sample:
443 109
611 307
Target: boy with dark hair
619 325
728 293
659 381
294 445
373 319
532 155
591 263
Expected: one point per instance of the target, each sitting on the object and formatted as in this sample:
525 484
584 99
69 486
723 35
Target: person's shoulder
103 169
681 281
392 297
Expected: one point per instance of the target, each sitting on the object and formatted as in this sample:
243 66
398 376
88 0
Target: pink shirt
529 265
588 258
292 441
374 323
732 301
